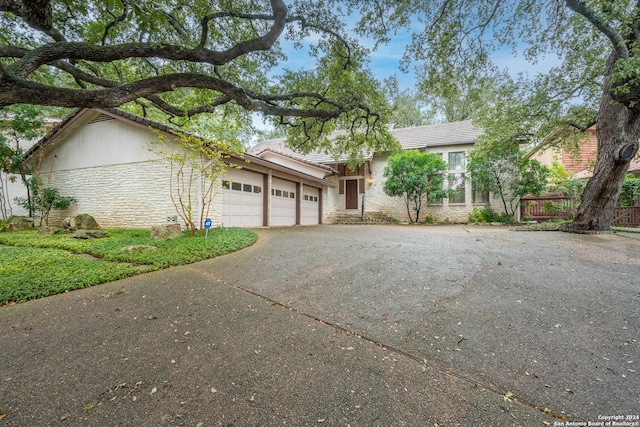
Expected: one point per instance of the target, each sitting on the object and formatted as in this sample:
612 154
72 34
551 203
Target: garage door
283 202
242 199
310 201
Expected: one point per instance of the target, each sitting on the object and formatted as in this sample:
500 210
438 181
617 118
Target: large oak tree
187 57
598 43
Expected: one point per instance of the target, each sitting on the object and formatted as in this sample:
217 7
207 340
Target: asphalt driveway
342 325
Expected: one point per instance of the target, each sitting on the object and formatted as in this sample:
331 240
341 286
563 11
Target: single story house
363 186
102 158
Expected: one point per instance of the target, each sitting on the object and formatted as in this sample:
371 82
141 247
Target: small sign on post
207 226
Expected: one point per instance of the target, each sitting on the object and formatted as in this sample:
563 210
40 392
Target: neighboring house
102 158
579 164
363 185
11 185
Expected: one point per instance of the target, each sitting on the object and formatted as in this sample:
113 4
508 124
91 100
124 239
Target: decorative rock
90 234
80 222
46 230
19 223
162 232
138 248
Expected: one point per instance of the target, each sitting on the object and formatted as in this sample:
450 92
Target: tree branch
601 24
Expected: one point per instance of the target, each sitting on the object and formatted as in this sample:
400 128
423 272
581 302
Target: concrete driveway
343 325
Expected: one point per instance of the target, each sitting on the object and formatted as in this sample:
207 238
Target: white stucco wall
101 143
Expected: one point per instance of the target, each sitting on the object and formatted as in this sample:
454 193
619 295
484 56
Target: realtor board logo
207 223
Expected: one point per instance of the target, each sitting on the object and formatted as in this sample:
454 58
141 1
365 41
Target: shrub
484 215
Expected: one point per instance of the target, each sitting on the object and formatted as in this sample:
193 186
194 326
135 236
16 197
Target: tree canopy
191 57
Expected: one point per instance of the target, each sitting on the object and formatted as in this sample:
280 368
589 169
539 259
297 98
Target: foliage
630 194
502 169
32 266
188 58
417 177
483 215
43 200
558 175
196 166
19 124
407 108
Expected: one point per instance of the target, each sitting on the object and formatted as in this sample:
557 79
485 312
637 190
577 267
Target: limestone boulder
80 222
90 234
133 249
163 232
19 223
46 230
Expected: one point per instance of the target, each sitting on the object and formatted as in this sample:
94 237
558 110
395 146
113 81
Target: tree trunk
618 130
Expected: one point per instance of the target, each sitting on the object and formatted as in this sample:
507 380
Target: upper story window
457 161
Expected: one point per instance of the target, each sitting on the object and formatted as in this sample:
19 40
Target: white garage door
310 201
283 202
242 199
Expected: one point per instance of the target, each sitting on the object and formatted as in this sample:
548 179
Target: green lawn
33 266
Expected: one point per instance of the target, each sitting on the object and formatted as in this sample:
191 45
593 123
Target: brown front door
351 191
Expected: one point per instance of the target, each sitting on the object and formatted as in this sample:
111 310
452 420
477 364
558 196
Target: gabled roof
453 133
279 145
80 117
419 137
297 158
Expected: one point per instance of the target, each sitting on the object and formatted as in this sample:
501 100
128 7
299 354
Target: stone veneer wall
377 200
133 195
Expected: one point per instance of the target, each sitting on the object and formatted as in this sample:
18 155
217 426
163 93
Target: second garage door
283 202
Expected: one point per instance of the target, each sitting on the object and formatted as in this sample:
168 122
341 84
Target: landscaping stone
47 230
138 248
19 223
163 232
80 222
90 234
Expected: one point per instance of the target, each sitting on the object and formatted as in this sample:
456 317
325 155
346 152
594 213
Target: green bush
484 215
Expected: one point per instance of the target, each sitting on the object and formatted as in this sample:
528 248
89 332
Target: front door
351 191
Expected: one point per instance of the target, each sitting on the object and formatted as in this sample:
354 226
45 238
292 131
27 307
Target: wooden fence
544 208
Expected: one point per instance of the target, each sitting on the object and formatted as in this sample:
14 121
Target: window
226 185
246 188
315 198
306 197
292 195
279 193
457 161
456 183
285 194
257 189
478 195
236 186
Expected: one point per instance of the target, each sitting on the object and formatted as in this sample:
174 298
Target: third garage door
310 202
283 202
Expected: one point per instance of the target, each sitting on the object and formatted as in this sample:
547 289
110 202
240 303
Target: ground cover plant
33 265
